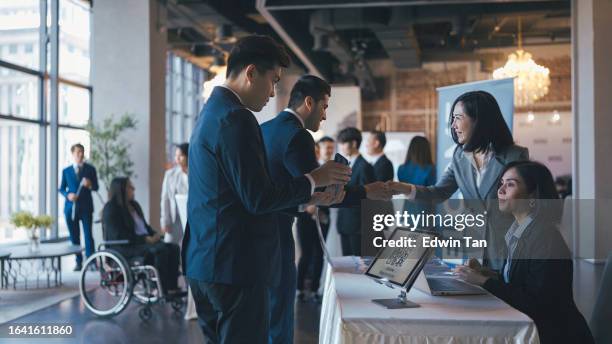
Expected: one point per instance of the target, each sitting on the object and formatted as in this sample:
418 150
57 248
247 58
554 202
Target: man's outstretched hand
378 191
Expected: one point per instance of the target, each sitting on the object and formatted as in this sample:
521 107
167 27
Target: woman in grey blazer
175 182
484 147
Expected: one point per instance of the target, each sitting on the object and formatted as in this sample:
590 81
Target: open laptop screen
401 265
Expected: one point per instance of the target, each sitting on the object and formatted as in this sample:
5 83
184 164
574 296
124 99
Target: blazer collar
289 113
489 179
520 245
225 92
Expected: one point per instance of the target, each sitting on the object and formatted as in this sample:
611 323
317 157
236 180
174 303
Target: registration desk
349 316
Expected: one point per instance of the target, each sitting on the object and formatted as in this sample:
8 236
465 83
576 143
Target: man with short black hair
231 251
383 168
326 149
290 150
349 219
78 180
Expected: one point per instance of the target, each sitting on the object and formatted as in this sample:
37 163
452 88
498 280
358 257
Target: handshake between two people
334 176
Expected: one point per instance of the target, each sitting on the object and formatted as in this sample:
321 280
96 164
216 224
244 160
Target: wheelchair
109 281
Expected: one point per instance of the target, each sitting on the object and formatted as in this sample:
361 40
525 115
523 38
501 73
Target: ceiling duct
392 27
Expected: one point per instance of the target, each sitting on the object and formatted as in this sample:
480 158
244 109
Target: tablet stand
398 303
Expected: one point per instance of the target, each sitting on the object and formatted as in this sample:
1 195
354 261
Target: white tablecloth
349 316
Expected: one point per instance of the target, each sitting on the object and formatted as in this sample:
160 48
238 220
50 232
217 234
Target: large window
40 120
183 100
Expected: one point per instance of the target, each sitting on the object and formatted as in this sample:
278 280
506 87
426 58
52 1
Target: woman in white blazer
175 183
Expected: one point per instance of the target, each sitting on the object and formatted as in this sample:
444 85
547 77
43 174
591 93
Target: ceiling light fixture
531 80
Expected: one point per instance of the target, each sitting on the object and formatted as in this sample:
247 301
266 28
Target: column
128 76
592 144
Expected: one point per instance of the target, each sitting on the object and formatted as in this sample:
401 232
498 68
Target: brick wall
409 99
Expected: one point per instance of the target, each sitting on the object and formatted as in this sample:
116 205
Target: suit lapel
73 173
491 176
465 166
520 246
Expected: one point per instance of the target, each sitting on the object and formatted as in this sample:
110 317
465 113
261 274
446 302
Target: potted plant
27 221
109 149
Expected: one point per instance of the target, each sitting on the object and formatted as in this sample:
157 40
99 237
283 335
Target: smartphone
342 160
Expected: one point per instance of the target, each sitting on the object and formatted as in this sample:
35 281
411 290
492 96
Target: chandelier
531 80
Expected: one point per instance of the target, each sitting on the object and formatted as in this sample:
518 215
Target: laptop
439 281
403 267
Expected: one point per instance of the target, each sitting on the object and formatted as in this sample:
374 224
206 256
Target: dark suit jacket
290 150
383 169
70 184
118 223
232 235
349 219
541 285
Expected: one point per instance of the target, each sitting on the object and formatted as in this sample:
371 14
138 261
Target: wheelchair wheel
106 283
146 287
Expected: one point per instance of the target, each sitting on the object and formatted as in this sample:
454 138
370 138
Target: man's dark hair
262 51
381 137
77 146
308 85
490 128
350 134
325 139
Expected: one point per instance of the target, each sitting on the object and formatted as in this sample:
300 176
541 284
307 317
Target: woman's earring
532 203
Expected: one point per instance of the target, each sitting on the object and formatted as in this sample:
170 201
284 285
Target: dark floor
167 326
128 328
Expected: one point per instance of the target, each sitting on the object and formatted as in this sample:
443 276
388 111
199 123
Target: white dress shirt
374 158
512 237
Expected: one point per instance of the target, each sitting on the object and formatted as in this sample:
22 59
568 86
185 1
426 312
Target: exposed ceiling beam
283 5
260 5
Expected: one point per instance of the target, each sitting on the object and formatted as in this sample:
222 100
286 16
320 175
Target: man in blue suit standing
231 251
290 149
78 180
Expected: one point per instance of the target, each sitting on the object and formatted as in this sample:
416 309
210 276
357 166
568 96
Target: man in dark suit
290 149
231 251
349 219
375 145
78 180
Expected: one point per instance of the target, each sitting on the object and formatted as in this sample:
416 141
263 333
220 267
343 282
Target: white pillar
128 76
592 104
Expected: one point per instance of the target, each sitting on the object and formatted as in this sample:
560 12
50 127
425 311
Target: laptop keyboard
449 284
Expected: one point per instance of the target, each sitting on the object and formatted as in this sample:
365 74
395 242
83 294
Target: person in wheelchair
123 219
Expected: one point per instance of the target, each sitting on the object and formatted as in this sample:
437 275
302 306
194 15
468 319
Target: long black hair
118 198
419 152
489 125
184 148
541 185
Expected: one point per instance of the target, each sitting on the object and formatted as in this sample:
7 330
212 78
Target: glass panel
18 94
19 32
177 128
73 105
19 188
66 138
74 52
